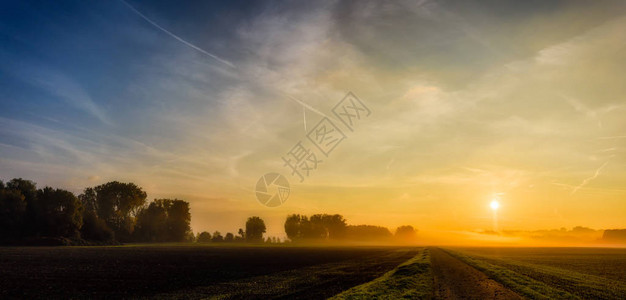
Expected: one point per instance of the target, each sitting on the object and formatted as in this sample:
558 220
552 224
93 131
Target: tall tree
94 227
255 228
178 220
164 220
117 204
32 224
292 227
152 223
60 211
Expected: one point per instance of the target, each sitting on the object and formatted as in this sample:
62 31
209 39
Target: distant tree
204 237
617 236
117 204
255 228
229 237
334 226
317 227
217 237
292 227
367 233
406 233
241 233
60 211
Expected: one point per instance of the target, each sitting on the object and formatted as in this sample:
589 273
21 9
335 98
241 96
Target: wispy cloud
223 61
67 89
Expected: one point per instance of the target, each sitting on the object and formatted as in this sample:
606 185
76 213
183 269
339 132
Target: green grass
412 279
544 282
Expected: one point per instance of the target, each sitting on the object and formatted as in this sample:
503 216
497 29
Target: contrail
612 137
304 117
590 178
307 106
177 37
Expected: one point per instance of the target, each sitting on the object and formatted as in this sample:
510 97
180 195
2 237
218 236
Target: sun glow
495 204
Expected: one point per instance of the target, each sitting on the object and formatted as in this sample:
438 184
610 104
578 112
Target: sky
469 101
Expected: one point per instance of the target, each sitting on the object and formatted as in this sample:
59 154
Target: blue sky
469 99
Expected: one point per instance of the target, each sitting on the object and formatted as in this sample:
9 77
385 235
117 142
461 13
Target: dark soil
146 271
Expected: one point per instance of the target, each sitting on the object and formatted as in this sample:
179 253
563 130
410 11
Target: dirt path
455 279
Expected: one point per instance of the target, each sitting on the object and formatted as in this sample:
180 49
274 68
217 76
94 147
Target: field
191 271
283 272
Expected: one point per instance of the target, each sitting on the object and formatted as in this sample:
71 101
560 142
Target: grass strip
412 279
581 285
520 283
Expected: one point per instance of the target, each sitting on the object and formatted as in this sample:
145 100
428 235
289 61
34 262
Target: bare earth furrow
455 279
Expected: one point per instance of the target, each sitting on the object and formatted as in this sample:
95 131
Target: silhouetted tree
255 228
229 237
317 227
178 220
406 233
60 211
31 224
164 220
89 200
152 223
12 210
334 226
241 236
94 228
292 227
117 204
204 237
217 237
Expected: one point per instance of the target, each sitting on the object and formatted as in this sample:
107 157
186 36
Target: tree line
117 212
255 228
108 213
325 227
